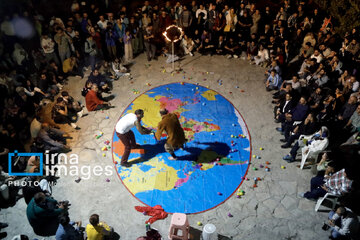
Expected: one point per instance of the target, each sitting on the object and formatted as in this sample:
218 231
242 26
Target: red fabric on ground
157 212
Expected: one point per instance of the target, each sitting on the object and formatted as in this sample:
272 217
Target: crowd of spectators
312 69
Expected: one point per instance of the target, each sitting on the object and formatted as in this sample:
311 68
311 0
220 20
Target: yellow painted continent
160 177
151 109
209 95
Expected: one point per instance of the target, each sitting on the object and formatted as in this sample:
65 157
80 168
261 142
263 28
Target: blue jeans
335 234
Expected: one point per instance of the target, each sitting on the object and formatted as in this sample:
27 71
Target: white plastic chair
312 154
330 197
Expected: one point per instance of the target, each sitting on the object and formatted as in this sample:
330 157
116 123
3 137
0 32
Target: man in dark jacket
42 213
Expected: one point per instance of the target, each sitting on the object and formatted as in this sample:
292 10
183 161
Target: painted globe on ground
211 166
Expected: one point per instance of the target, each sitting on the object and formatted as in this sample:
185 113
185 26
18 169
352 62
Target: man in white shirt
48 47
102 23
126 136
201 10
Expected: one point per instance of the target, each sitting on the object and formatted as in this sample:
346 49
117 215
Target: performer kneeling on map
176 136
126 136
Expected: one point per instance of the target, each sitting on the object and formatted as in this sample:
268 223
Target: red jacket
92 100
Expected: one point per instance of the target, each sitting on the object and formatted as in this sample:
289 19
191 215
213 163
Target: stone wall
346 13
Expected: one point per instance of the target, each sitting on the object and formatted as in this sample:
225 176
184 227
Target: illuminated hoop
166 33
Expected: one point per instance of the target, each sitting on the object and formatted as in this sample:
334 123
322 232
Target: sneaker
3 225
229 56
191 54
301 195
3 235
285 146
80 114
127 74
236 56
279 129
287 157
283 140
73 125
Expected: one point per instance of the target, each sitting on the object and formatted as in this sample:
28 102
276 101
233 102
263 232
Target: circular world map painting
209 168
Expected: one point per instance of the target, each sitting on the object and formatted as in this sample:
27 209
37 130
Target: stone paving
270 211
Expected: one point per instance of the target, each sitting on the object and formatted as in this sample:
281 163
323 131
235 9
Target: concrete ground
270 211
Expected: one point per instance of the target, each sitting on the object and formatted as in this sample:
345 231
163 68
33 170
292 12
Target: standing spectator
63 41
90 50
48 47
149 37
128 56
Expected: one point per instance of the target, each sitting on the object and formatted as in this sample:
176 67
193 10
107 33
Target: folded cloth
157 212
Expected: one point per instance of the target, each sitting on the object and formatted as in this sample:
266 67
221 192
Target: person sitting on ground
42 213
273 82
338 184
232 48
86 88
344 224
68 229
93 102
99 80
4 188
71 67
61 115
188 45
73 106
119 69
97 230
176 136
53 139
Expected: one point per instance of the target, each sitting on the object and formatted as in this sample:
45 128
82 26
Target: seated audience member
262 56
343 223
347 111
206 47
307 127
119 69
4 188
296 115
53 139
284 106
93 101
273 82
74 107
313 143
97 230
232 49
71 67
42 213
33 186
220 46
188 45
338 184
68 229
86 88
61 115
99 80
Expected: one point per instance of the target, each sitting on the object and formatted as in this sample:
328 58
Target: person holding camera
343 223
42 213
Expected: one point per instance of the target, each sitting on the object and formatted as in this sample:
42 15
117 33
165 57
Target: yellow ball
282 167
199 223
254 156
